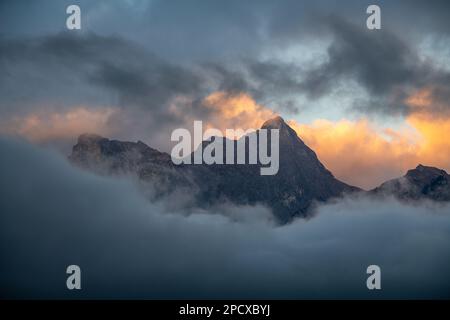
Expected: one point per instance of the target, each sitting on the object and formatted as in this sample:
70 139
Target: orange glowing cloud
359 153
44 126
420 99
429 100
435 143
235 111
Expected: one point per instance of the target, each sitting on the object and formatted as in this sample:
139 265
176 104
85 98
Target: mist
53 215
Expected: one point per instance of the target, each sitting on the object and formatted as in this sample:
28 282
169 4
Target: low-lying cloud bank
53 215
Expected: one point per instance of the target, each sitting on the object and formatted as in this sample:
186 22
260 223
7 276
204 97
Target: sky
371 103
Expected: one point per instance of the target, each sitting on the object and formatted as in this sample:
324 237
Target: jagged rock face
419 183
113 157
300 181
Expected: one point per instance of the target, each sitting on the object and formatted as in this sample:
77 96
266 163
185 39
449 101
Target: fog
53 215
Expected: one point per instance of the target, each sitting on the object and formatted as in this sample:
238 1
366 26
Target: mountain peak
421 182
89 139
422 170
274 123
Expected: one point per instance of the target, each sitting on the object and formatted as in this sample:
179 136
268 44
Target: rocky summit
419 183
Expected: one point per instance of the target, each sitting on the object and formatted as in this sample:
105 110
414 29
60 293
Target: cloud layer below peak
128 247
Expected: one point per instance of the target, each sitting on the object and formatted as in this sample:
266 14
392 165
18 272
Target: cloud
42 127
382 63
56 74
218 29
150 96
430 101
235 111
434 147
249 36
379 60
53 215
155 96
46 69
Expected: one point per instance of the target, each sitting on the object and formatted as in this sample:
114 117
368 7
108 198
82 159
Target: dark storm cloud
202 28
59 72
65 66
166 49
274 83
228 79
53 215
378 59
416 17
387 67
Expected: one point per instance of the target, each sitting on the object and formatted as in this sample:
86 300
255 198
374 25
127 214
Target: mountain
419 183
113 157
301 180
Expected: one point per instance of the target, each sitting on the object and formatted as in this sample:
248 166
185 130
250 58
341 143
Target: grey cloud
272 83
222 48
386 66
416 17
378 59
201 29
56 73
53 215
67 65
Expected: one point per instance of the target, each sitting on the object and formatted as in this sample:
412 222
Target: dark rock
420 183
